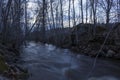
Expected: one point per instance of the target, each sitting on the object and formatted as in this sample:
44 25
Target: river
47 62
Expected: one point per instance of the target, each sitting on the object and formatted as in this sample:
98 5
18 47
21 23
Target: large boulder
110 53
93 53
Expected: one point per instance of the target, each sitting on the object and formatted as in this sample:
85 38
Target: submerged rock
117 56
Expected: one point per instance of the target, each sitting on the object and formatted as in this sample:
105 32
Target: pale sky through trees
32 5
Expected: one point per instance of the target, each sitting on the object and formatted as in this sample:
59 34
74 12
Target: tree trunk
82 11
61 9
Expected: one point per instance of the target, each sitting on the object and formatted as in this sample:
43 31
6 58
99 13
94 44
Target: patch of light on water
50 47
72 64
32 44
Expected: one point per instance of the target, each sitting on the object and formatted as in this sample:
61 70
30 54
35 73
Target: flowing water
47 62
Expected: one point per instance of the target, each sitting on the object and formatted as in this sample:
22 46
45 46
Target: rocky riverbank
95 46
108 51
81 39
8 64
92 45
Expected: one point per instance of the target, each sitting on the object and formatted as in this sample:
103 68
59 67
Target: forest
59 39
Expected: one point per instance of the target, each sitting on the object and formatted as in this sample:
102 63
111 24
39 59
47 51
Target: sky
101 17
32 5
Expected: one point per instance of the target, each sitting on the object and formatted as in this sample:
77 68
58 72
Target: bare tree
43 19
86 11
106 5
52 13
81 3
61 10
74 22
118 10
93 4
56 16
69 12
10 17
26 23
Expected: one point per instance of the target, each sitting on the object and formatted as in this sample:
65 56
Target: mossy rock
3 65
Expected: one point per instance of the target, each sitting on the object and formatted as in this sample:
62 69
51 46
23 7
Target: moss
22 75
3 66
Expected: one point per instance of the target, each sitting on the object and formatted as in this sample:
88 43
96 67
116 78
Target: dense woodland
51 16
91 28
